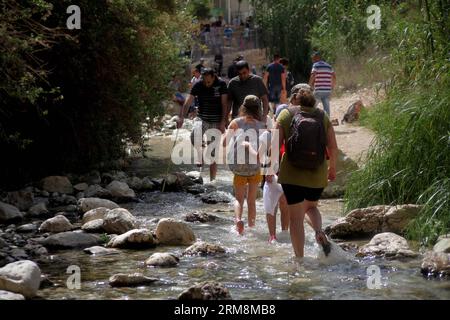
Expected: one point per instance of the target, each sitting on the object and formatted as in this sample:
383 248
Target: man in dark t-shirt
211 93
275 81
243 85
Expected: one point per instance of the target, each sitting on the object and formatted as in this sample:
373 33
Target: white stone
23 277
56 224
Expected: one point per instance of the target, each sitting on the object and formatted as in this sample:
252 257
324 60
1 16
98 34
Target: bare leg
297 230
284 210
212 171
239 194
272 224
313 213
251 203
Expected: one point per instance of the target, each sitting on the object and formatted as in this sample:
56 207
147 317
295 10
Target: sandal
322 239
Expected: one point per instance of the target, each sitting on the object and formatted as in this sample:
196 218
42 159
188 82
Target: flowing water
251 269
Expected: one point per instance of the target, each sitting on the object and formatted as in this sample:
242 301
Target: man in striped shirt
323 80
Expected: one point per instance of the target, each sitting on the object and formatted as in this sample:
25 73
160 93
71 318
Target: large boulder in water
57 184
22 277
373 220
162 260
137 238
172 232
130 280
71 240
436 264
206 291
118 221
344 167
388 245
204 249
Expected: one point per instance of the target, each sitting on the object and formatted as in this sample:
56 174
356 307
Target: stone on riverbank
130 280
9 213
436 264
442 245
118 221
38 210
206 291
373 220
57 184
71 240
96 191
137 238
56 224
120 190
172 232
93 226
23 200
22 277
204 249
388 245
87 204
162 260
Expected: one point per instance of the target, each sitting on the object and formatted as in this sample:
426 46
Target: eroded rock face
172 232
388 245
56 224
373 220
204 249
162 260
137 238
22 277
118 221
57 184
436 264
206 291
130 280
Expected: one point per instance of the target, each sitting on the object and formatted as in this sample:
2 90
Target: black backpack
306 147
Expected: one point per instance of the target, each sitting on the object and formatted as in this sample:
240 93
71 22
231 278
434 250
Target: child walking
243 158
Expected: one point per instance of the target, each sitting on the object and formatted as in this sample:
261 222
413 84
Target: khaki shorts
243 180
205 127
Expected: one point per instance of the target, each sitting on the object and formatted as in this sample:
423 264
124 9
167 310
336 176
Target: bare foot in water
240 227
322 239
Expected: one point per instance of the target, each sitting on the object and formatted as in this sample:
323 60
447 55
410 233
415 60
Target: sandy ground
352 139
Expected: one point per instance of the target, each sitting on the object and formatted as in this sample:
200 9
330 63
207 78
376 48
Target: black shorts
297 194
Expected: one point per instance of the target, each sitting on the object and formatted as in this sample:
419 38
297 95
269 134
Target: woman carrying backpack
304 172
243 158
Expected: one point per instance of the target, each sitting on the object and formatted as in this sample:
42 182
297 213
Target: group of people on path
300 132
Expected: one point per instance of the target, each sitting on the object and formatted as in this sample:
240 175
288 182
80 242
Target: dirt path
352 139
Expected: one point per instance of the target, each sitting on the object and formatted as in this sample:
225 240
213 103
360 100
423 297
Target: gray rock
57 184
71 240
23 200
196 189
442 246
120 190
100 251
93 226
147 184
216 197
18 254
3 243
195 176
135 183
9 213
96 191
87 204
436 264
27 228
38 210
6 295
80 187
95 214
204 249
91 178
206 291
56 224
172 232
118 221
388 245
137 238
22 277
162 260
130 280
199 217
